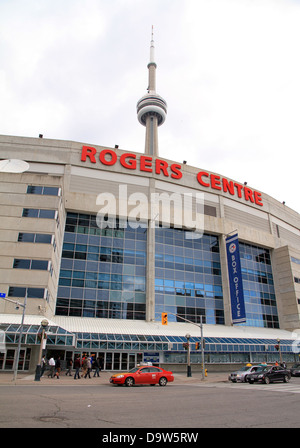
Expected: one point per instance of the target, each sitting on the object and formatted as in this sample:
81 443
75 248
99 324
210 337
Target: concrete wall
13 199
287 291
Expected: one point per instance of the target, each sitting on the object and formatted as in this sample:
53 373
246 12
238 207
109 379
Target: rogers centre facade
103 285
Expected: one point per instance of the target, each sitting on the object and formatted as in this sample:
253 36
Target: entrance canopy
56 335
91 333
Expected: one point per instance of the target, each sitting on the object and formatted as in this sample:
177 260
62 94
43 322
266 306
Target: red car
143 375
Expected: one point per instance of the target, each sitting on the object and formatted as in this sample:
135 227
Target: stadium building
103 242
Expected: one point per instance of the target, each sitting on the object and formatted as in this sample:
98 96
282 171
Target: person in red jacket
77 365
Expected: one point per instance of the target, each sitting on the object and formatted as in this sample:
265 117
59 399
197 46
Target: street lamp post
20 337
202 349
189 371
18 305
279 349
38 370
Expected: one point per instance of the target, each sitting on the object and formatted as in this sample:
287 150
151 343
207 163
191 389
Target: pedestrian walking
43 365
97 365
89 367
69 366
52 367
77 365
57 367
84 366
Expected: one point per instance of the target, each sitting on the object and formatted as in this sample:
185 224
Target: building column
150 268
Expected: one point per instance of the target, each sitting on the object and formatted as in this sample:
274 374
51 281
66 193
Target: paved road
187 403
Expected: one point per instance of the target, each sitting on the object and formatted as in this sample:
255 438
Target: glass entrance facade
188 279
103 274
7 359
111 360
259 292
103 271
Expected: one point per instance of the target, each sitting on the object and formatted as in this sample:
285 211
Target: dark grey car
295 370
269 374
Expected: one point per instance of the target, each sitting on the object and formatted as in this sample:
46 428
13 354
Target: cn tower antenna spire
152 59
152 108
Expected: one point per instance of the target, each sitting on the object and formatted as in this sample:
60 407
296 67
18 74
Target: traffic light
164 318
276 346
198 345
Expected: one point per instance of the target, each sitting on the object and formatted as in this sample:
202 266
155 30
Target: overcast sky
228 69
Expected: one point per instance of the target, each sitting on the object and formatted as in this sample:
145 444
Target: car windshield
261 369
135 369
295 366
243 369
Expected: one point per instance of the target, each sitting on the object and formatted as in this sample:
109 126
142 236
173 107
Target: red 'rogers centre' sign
108 157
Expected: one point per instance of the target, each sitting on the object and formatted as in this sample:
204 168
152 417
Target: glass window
31 264
43 238
21 264
37 213
260 300
109 274
15 291
41 265
194 274
35 293
47 214
35 238
30 213
26 237
32 189
51 191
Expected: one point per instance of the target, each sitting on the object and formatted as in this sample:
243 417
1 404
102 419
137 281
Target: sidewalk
25 379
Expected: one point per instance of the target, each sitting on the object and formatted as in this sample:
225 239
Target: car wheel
250 381
129 381
267 380
163 381
286 378
245 379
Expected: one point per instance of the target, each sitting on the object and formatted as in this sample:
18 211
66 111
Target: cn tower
151 108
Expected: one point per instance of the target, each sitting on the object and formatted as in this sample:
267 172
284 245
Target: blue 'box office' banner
235 280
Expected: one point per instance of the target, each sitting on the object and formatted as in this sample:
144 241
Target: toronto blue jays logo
232 248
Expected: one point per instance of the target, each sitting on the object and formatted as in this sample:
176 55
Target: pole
202 340
189 371
38 367
280 354
16 364
38 370
202 349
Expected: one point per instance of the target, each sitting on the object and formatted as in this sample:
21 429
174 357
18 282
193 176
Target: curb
26 379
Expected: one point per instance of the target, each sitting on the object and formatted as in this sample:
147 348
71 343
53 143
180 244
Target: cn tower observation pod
151 104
